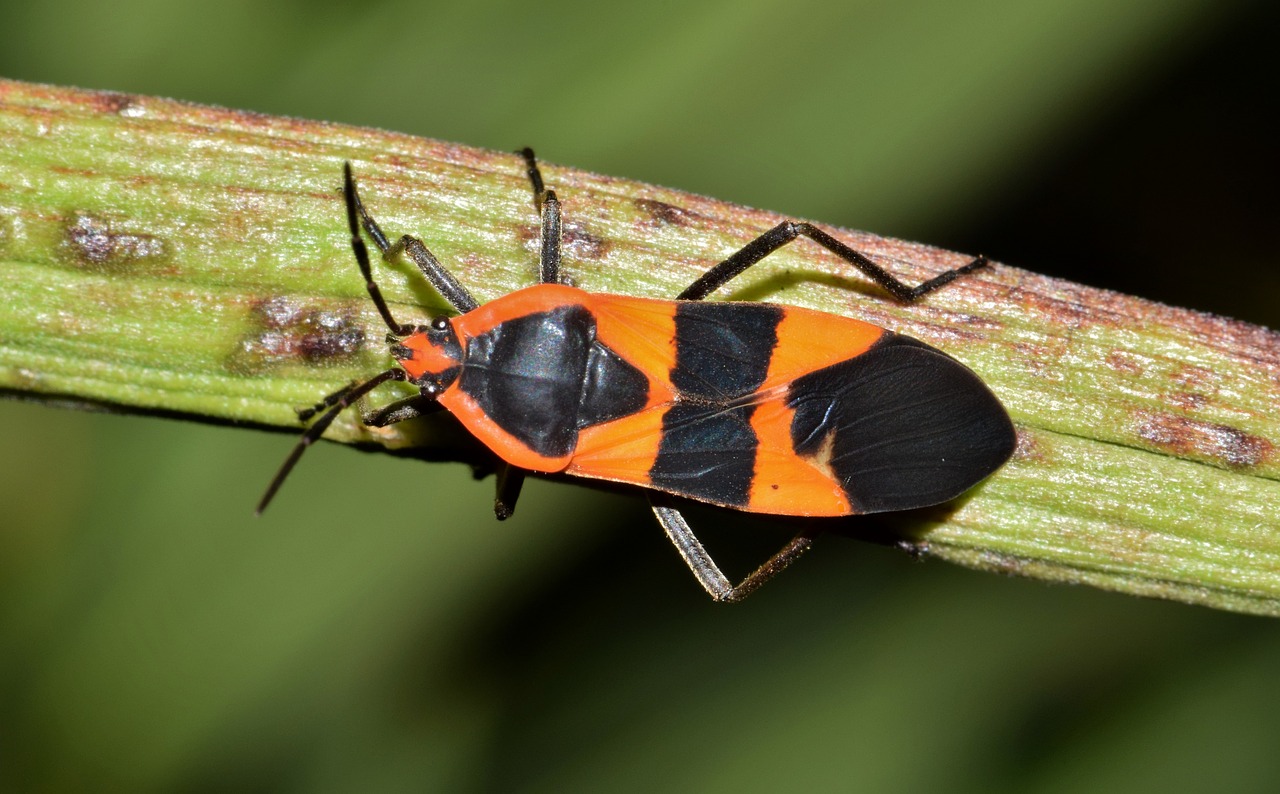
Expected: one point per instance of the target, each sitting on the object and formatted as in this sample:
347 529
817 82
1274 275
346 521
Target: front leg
549 208
510 481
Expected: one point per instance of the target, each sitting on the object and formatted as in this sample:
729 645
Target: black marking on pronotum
611 388
543 377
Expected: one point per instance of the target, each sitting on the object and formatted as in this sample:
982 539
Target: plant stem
161 256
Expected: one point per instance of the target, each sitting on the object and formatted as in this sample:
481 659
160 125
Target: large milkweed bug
752 406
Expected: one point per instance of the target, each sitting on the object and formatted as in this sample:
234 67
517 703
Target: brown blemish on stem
575 240
1065 313
119 104
935 332
1188 401
96 246
1193 377
288 330
583 244
1193 438
663 214
1124 363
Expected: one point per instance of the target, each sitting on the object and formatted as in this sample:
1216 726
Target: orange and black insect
752 406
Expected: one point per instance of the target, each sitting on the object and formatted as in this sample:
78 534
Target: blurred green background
379 631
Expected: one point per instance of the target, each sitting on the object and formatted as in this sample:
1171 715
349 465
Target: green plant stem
161 256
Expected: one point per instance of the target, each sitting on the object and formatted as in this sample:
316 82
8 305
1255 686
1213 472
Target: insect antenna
340 401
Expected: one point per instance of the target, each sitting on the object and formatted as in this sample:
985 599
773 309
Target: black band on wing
908 426
707 452
723 349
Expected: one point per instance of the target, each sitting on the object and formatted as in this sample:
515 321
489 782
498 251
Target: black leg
354 208
403 410
535 175
787 231
339 401
510 481
305 414
549 206
706 571
444 282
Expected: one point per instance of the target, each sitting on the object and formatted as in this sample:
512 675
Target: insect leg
402 410
339 401
444 282
706 571
549 207
785 232
510 480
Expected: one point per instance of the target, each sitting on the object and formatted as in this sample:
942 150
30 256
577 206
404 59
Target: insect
752 406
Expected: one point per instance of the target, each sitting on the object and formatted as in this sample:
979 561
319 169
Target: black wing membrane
908 425
707 452
723 349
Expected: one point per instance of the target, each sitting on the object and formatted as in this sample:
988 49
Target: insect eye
440 324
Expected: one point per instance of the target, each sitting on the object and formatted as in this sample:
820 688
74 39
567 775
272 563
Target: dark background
379 631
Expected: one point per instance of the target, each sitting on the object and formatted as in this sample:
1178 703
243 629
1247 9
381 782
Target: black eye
440 324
